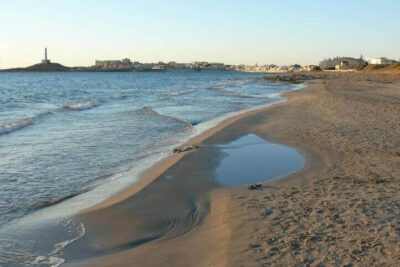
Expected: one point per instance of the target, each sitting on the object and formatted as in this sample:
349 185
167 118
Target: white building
342 63
381 60
310 68
114 64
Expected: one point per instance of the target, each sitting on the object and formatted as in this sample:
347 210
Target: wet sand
341 208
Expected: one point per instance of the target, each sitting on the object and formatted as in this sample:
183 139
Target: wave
274 95
104 176
194 123
15 253
223 91
216 87
238 83
180 92
227 92
151 112
46 203
186 126
83 105
254 96
9 127
267 96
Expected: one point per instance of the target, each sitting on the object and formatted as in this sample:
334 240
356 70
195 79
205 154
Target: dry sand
342 208
349 213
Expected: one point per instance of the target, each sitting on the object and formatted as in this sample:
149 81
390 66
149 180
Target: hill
395 67
41 67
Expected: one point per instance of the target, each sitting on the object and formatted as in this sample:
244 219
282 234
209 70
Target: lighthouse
45 60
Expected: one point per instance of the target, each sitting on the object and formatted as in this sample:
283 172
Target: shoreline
154 172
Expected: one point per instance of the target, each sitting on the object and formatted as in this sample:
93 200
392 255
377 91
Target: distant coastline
56 67
340 64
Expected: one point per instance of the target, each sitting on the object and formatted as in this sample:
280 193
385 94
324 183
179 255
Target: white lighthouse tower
45 60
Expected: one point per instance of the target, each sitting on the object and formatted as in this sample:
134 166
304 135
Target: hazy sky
78 32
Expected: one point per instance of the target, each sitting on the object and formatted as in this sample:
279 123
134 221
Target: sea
70 140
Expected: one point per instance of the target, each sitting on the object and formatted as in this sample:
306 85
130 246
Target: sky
78 32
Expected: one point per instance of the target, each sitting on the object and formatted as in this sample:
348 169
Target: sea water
70 140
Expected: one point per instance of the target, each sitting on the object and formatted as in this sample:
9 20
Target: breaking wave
151 112
223 91
46 203
180 92
9 127
83 105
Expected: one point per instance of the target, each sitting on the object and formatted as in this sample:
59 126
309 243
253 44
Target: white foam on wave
223 91
53 259
272 95
9 127
83 105
12 253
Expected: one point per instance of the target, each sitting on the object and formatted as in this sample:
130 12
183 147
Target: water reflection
251 159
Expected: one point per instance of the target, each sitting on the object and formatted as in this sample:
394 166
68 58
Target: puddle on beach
251 159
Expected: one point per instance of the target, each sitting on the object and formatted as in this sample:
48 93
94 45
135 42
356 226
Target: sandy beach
341 209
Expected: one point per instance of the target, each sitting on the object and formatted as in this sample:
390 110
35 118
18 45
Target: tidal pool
251 159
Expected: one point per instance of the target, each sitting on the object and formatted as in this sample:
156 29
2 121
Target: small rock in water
183 149
253 186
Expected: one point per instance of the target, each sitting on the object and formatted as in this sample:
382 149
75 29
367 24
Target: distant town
126 65
338 63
